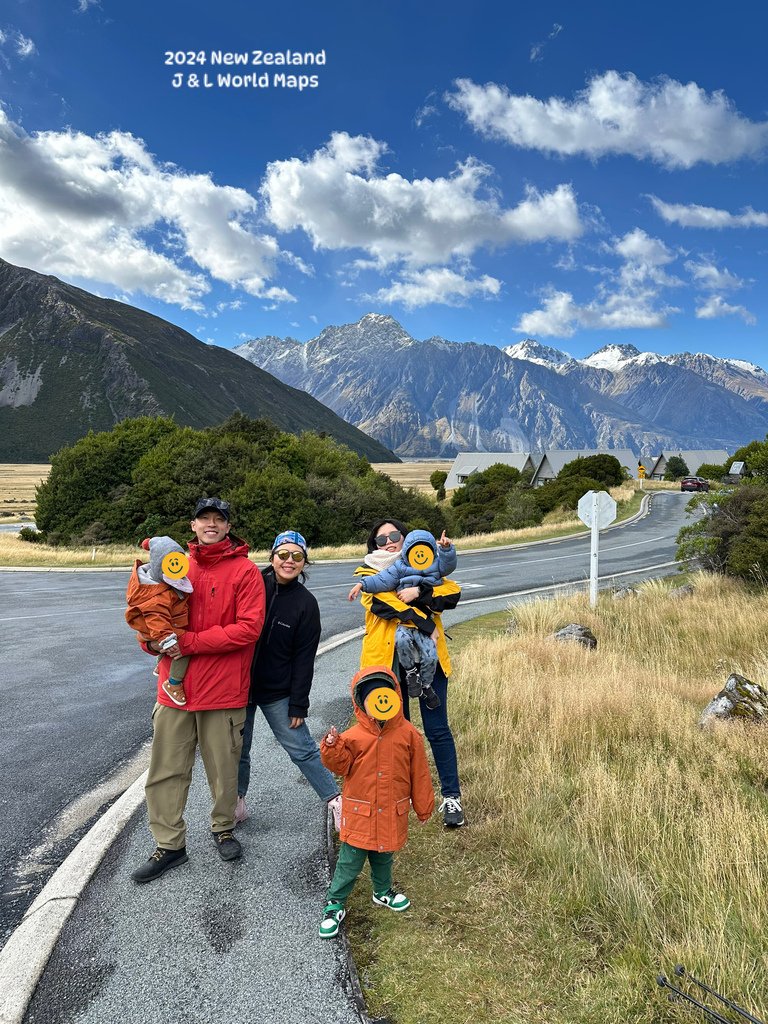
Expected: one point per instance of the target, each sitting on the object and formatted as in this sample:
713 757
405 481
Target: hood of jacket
208 554
367 675
420 537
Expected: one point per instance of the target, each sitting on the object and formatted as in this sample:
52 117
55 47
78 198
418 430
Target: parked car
694 483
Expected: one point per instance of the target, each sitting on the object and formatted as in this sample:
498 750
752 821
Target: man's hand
444 542
331 736
296 723
354 591
408 594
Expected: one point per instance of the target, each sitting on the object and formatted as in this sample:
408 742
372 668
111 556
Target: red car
694 483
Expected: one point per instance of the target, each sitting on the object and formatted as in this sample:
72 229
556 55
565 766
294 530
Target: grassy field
17 489
609 838
413 474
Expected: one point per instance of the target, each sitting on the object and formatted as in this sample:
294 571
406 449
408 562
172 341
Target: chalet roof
467 463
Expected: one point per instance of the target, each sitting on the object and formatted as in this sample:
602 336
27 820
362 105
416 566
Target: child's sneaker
430 698
413 682
176 692
333 915
392 899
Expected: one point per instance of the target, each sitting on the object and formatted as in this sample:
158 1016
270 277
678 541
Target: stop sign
597 507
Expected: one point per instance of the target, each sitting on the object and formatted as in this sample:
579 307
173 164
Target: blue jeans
297 743
415 650
438 732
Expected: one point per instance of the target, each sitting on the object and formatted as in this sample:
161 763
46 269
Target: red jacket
226 613
386 769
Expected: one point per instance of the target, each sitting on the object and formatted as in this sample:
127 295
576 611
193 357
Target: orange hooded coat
385 769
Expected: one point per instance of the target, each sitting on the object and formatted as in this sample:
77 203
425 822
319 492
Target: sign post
596 509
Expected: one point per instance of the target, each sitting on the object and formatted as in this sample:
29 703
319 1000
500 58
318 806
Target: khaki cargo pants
177 733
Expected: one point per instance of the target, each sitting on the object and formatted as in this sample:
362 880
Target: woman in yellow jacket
418 607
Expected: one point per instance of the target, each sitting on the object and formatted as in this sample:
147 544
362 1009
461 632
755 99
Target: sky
582 174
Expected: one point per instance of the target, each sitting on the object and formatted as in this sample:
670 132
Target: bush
482 498
732 537
520 510
564 492
712 472
604 468
437 481
31 536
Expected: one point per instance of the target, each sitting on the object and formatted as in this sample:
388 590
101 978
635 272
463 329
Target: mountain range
72 362
437 397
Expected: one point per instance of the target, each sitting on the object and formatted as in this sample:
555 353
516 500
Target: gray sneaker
453 815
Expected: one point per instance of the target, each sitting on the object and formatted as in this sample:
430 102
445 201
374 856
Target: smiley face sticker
382 703
420 556
175 565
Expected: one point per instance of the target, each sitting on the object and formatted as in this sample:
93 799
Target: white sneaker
241 811
334 805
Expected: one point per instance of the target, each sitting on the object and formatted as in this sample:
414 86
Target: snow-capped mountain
436 397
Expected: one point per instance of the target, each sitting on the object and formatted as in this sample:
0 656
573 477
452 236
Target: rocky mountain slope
437 397
71 362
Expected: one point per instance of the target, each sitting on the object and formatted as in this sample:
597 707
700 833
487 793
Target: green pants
177 733
349 865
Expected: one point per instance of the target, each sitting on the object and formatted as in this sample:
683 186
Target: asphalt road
77 691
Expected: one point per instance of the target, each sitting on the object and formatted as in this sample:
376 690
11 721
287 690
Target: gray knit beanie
159 547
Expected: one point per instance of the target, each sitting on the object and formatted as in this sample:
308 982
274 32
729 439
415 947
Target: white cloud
99 208
538 48
716 306
24 46
342 199
694 216
436 285
706 275
84 5
675 124
629 297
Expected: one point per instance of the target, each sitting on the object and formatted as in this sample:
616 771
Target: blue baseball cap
290 537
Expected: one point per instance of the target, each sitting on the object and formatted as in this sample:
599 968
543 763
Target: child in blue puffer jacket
422 562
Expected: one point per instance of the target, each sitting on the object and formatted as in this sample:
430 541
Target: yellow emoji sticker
175 565
420 556
382 703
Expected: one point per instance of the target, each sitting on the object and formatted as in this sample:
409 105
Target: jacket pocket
236 725
356 819
403 806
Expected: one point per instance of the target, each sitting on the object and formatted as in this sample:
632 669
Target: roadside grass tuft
609 838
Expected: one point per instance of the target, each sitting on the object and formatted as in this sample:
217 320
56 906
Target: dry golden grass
17 488
609 837
413 474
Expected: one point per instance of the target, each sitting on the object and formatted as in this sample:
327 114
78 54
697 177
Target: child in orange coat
385 766
158 605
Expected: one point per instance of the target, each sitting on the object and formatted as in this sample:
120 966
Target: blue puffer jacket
421 560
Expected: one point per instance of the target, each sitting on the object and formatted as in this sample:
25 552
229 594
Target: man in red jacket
226 613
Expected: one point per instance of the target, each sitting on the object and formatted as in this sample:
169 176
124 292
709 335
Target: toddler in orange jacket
384 764
158 606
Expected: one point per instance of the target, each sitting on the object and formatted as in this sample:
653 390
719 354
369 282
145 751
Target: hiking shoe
227 845
453 815
333 915
176 692
430 698
334 806
392 899
241 811
160 862
413 682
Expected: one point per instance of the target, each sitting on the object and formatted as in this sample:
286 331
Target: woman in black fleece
282 670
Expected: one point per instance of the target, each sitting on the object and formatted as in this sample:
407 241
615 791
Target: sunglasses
297 556
384 538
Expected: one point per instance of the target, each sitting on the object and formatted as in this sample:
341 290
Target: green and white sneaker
392 899
333 916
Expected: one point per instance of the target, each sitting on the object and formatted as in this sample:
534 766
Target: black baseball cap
216 504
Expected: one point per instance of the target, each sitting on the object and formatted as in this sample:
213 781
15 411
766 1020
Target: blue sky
582 174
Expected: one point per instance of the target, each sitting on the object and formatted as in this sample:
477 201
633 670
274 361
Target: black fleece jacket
284 662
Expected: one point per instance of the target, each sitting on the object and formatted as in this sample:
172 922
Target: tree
564 492
520 510
710 471
437 480
732 537
604 468
676 468
482 498
755 455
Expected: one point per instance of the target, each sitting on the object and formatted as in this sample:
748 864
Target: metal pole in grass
681 972
596 509
677 994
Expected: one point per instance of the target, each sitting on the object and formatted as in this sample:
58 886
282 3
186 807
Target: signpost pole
593 555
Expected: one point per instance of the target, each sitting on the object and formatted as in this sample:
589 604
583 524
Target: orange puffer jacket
386 770
226 613
155 610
